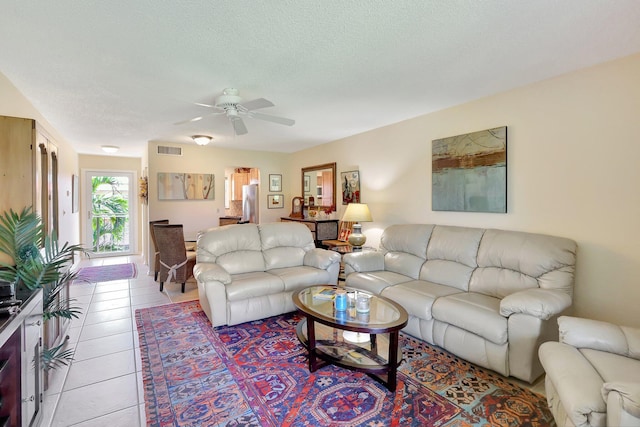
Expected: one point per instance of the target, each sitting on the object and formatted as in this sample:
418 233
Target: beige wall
13 103
198 215
573 171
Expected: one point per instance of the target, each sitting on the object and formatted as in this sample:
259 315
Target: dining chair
176 263
156 260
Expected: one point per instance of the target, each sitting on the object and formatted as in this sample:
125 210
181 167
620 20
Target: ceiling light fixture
110 148
202 139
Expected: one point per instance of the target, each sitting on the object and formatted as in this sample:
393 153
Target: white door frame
87 235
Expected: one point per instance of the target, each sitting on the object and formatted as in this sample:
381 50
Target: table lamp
357 213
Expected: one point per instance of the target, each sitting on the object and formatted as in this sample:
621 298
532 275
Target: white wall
573 171
14 104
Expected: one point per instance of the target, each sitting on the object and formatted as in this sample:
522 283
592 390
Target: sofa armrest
623 403
540 303
208 272
361 262
576 382
599 335
321 258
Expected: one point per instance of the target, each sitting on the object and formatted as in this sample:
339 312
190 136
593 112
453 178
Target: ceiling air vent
169 151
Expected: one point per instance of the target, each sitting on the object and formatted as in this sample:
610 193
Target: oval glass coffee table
364 342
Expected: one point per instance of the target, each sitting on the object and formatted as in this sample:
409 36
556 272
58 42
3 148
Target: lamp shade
357 212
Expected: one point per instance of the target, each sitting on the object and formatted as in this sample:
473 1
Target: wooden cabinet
28 169
17 175
227 220
238 179
21 389
321 229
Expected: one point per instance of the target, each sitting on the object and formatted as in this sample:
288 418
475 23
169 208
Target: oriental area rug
106 273
255 374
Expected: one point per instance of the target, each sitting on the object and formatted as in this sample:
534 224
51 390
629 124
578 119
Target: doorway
110 203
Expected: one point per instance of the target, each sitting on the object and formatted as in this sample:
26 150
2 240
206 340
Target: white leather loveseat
593 374
247 271
489 296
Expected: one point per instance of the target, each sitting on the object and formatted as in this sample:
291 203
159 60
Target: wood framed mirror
319 182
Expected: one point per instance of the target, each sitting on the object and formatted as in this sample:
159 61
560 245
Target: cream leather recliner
247 272
593 374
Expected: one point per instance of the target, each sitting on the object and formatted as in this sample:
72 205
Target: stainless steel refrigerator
250 205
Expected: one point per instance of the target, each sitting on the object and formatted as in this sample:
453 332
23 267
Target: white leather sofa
593 374
247 271
489 296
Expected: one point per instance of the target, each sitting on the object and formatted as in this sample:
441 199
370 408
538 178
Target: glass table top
318 301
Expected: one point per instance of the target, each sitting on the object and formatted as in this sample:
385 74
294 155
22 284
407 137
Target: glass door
109 201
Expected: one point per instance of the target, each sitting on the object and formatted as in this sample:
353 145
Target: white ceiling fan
230 104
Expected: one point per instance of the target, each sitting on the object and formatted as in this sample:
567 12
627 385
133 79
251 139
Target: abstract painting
185 186
469 172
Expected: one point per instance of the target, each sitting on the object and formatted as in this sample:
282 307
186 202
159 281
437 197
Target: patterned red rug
255 374
106 273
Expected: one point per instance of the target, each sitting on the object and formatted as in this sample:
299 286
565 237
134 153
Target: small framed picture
344 234
275 182
350 182
275 201
307 183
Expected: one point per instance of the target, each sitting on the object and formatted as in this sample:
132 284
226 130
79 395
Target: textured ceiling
122 72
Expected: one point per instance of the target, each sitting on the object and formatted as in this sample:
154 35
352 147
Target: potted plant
37 262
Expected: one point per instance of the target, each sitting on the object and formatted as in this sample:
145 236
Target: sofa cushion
459 244
510 261
417 296
300 277
236 248
613 367
408 238
449 273
375 281
284 243
476 313
283 257
405 248
252 285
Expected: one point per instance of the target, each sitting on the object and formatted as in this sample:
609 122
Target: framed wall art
469 172
186 186
307 184
350 183
275 201
275 182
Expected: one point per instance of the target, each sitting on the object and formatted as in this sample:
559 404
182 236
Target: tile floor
103 386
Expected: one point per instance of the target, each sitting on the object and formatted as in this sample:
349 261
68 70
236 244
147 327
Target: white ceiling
122 72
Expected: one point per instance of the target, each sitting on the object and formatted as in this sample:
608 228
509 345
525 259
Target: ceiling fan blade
205 105
239 126
270 118
257 103
195 119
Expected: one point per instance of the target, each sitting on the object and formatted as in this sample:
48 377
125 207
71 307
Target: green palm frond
55 357
39 262
21 234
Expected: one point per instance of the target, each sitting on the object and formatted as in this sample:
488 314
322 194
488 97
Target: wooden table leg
393 361
311 336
